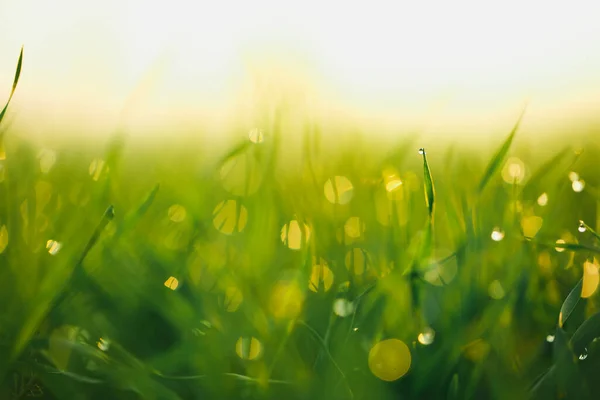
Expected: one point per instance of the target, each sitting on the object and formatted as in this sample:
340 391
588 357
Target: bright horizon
444 67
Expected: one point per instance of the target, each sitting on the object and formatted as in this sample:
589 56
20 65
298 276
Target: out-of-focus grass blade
132 218
566 246
588 331
237 150
567 370
545 169
453 388
34 318
429 189
496 162
14 86
570 303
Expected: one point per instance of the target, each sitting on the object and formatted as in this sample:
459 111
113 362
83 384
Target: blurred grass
174 273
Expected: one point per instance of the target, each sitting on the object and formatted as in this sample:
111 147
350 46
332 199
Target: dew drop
497 235
355 329
550 338
560 249
578 186
426 337
582 228
583 355
422 151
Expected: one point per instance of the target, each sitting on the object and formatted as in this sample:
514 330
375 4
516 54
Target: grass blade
500 155
14 86
588 331
429 189
570 303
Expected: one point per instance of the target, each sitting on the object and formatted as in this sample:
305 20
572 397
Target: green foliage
132 273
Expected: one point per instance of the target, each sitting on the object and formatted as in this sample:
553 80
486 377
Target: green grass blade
500 155
429 189
570 303
453 388
14 86
588 331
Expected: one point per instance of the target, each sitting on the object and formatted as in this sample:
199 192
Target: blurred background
458 70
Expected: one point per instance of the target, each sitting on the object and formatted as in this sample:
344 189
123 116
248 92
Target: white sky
456 64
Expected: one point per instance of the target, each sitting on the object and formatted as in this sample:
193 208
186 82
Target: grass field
132 272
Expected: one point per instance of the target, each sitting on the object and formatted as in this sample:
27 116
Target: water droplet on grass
582 228
543 199
578 186
422 150
560 249
550 338
583 355
426 337
497 235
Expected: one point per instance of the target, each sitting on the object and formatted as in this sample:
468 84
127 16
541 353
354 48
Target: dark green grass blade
14 86
567 370
588 331
570 303
500 155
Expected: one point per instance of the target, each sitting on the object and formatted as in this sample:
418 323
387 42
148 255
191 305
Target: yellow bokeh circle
248 348
389 359
321 277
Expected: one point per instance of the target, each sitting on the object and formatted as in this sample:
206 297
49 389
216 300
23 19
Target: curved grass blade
14 86
567 370
500 155
588 331
429 189
589 229
570 303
